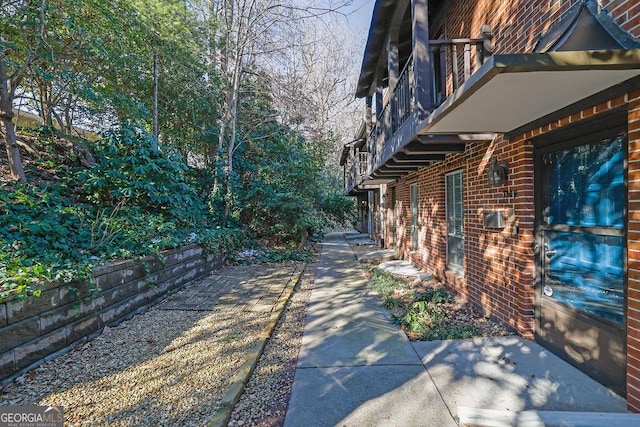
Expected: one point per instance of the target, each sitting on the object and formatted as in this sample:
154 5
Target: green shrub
129 167
339 207
423 315
42 237
450 332
134 202
222 241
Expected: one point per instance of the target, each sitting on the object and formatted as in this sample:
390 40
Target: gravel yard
264 401
160 368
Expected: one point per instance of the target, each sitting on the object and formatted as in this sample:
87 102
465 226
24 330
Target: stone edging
223 414
39 329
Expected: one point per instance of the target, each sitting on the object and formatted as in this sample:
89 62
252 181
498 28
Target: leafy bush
275 254
385 283
129 167
423 315
339 207
224 241
137 200
134 202
42 236
450 332
285 254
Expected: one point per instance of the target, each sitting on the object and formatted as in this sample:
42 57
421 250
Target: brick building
501 153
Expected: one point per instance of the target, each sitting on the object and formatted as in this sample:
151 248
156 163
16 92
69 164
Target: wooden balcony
394 144
356 172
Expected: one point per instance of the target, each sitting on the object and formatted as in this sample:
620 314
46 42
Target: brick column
521 175
633 256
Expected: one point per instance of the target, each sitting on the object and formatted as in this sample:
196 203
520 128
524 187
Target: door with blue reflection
583 221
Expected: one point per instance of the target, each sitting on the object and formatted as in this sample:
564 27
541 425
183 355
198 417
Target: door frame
585 132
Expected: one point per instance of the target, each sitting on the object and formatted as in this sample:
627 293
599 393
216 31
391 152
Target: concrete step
404 268
354 236
474 417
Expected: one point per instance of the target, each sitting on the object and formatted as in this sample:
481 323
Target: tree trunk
232 121
6 118
155 99
46 102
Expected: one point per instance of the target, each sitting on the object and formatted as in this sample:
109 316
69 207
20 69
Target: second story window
455 221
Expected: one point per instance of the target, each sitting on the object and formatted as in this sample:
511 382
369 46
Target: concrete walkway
357 368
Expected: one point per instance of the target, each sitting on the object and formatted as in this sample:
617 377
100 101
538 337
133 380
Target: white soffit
514 90
373 184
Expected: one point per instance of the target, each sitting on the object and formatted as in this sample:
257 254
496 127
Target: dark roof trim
378 30
357 143
585 26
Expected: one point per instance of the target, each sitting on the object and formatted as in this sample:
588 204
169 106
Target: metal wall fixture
497 173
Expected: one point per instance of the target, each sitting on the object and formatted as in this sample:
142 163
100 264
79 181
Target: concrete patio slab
395 395
471 417
364 340
511 374
376 256
404 268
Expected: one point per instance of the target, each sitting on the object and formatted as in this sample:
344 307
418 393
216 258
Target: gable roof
585 26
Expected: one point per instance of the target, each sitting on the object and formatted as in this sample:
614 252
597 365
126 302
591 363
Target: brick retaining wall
38 329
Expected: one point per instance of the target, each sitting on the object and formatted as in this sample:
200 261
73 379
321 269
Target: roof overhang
378 29
357 143
511 91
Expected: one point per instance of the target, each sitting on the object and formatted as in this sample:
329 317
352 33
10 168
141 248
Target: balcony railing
452 63
403 97
396 111
357 170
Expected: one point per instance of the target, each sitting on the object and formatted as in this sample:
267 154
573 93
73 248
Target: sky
358 18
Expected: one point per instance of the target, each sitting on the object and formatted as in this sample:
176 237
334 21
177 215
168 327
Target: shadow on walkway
357 368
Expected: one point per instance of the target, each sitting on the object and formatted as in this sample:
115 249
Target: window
414 217
455 221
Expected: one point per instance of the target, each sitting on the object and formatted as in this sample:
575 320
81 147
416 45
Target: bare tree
16 55
8 86
247 32
316 83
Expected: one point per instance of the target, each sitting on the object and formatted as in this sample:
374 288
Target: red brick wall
499 264
499 267
633 254
517 24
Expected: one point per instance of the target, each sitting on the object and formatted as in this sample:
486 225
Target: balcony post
393 65
421 58
379 102
393 58
380 122
367 116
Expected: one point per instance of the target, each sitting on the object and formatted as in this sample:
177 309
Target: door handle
550 252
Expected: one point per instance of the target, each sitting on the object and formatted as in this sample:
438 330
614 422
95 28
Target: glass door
582 252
